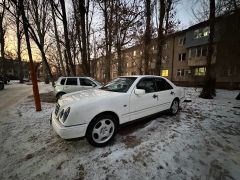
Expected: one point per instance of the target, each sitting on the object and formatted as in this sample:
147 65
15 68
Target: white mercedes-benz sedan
97 113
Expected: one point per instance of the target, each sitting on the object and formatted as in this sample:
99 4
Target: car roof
137 76
74 77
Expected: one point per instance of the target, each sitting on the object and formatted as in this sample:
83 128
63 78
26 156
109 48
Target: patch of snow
201 142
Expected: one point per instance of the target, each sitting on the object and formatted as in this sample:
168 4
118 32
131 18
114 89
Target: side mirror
139 91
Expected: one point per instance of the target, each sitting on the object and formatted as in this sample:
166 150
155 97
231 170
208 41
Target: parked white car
66 85
97 113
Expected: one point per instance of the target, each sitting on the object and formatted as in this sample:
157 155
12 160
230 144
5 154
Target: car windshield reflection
121 84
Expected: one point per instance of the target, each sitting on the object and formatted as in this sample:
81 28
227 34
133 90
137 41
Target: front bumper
68 132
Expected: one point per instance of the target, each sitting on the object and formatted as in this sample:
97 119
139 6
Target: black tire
1 86
59 95
174 107
98 123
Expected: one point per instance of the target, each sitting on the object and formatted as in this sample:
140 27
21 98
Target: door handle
155 96
172 93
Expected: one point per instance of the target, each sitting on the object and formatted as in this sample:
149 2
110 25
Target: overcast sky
184 12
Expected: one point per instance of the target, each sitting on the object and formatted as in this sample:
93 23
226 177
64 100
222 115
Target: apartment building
184 55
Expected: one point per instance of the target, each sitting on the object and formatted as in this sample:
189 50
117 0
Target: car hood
83 96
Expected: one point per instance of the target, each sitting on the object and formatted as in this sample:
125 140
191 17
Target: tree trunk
108 41
67 42
67 64
119 57
147 36
33 74
161 40
19 45
2 41
57 39
82 11
168 9
208 90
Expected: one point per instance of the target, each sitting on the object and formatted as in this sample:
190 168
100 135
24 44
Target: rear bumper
68 132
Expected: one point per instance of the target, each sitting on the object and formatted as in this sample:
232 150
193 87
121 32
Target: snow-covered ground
201 142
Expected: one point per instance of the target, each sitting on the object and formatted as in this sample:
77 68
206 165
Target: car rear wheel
1 86
101 130
174 107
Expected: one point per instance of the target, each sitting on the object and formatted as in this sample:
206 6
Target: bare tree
161 39
33 74
38 11
53 10
67 41
222 7
126 16
147 35
19 43
2 36
208 90
85 62
107 8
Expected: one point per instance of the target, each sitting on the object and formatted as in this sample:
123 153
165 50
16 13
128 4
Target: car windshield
121 84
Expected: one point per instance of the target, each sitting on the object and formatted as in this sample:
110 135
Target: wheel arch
105 113
60 92
177 98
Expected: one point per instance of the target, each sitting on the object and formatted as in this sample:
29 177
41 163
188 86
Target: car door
71 85
165 94
86 83
146 104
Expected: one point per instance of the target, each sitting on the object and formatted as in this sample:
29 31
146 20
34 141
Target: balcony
200 61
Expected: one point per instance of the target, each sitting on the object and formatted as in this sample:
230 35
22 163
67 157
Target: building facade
185 55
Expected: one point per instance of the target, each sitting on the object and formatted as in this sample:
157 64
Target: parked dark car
5 79
1 85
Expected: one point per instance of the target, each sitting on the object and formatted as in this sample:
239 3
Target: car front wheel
101 130
174 107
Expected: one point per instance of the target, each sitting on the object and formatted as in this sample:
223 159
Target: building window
204 51
181 41
164 59
199 51
134 53
203 32
182 57
180 72
200 71
189 53
165 72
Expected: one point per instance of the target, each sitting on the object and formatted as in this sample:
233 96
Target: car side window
62 82
162 85
71 81
148 84
86 82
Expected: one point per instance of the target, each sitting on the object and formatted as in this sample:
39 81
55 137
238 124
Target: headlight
61 114
65 114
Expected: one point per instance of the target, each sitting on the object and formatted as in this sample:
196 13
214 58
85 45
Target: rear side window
148 84
71 81
86 82
62 82
162 85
